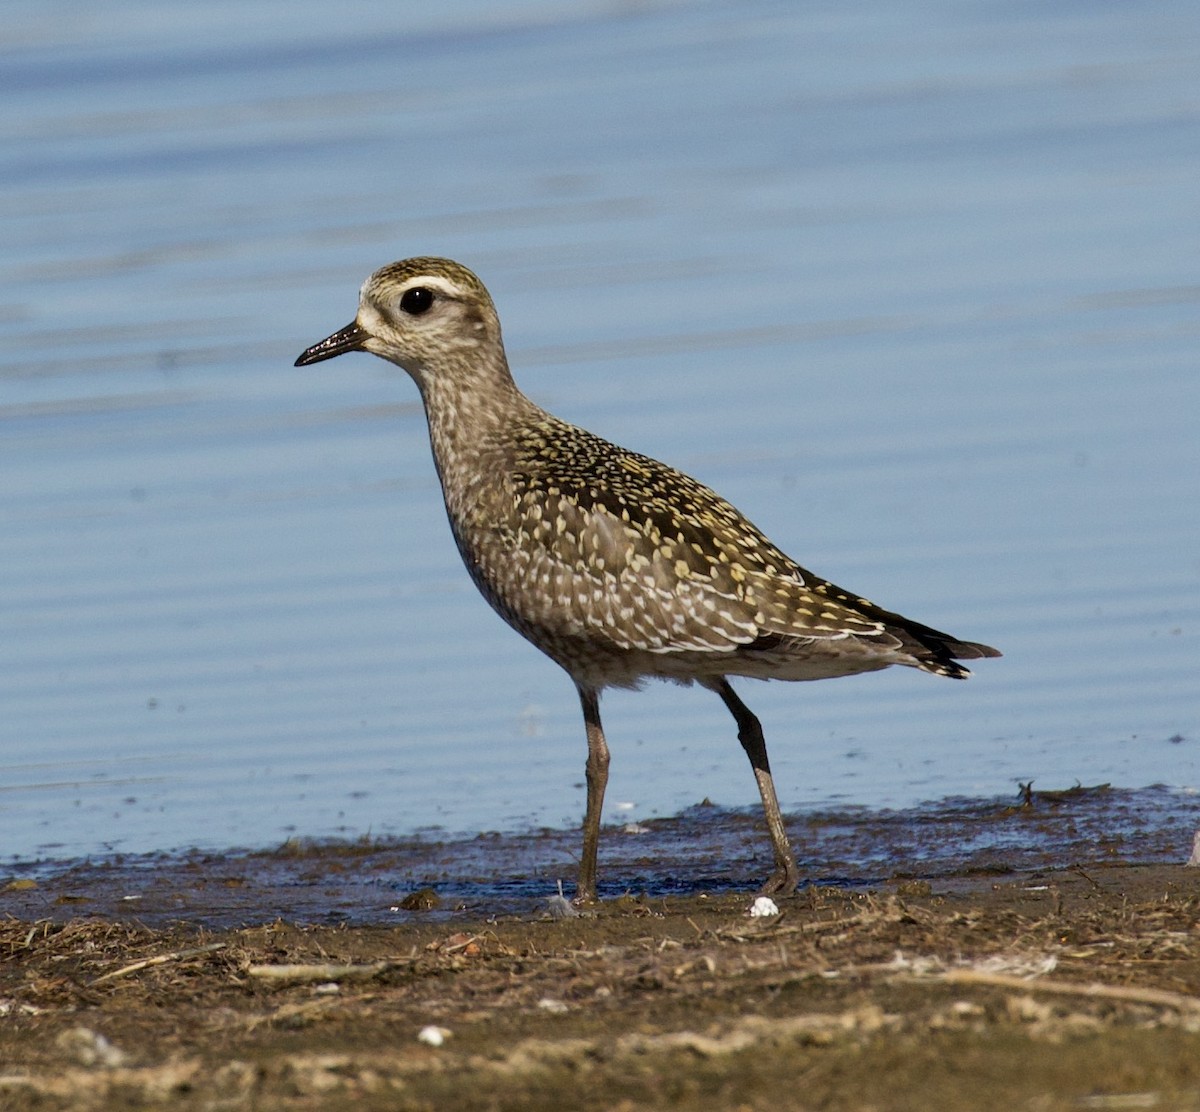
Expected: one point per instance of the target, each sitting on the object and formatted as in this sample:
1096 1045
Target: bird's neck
471 414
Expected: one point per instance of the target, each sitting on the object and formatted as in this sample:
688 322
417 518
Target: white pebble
433 1036
763 908
90 1048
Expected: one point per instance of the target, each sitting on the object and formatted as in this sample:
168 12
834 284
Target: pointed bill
350 338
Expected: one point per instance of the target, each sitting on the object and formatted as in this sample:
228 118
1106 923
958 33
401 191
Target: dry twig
318 971
1157 997
161 959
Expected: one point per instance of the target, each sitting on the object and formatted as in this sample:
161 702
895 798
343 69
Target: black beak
350 338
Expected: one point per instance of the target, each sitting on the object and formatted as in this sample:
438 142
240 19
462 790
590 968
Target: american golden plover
618 567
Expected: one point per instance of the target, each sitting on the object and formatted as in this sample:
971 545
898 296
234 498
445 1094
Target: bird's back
619 567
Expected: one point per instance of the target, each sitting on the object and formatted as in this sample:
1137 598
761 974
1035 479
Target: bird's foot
585 893
783 881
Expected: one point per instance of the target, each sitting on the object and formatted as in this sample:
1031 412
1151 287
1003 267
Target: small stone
763 908
90 1048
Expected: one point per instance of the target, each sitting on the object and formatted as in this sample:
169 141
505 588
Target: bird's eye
416 301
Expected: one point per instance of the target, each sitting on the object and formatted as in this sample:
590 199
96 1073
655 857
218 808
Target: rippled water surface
913 284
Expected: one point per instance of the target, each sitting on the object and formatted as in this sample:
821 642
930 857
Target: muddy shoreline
989 983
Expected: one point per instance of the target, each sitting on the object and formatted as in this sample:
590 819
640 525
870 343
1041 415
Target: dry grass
1068 989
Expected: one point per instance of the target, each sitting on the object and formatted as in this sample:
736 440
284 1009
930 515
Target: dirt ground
1069 988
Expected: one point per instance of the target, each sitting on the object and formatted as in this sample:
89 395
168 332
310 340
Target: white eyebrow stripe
433 282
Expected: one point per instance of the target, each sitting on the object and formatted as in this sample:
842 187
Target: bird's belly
593 663
577 623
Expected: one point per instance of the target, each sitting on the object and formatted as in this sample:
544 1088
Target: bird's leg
597 780
786 876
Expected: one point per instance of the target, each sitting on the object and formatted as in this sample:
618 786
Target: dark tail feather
937 652
970 650
940 653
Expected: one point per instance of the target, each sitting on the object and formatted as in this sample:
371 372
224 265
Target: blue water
913 284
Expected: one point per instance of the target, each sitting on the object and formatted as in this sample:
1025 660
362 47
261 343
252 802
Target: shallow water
914 287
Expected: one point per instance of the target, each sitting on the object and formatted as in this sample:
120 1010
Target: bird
617 567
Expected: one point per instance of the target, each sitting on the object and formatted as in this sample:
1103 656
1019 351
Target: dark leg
597 780
786 876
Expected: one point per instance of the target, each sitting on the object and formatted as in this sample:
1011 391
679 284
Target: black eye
416 301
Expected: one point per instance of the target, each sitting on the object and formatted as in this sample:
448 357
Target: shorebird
618 567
